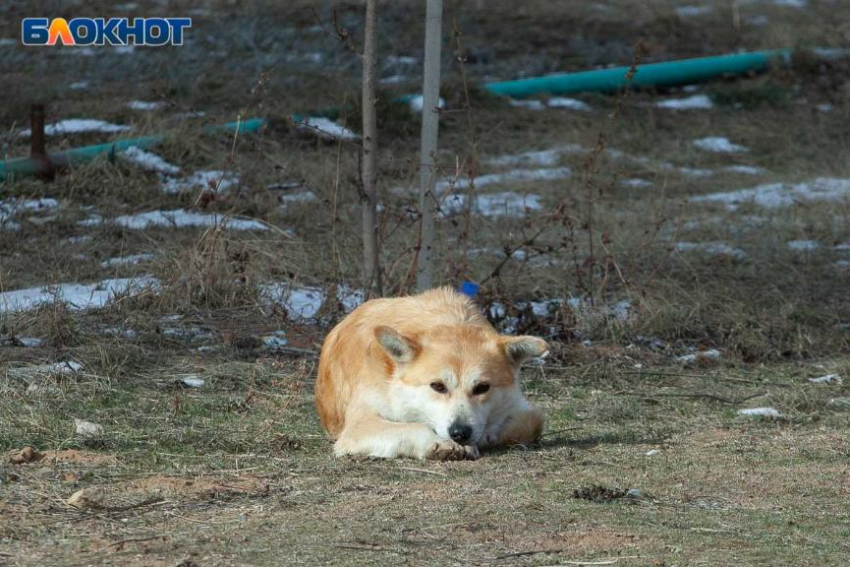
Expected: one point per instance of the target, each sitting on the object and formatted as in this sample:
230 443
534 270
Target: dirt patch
84 458
25 455
199 486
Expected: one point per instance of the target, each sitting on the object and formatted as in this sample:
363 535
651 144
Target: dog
424 376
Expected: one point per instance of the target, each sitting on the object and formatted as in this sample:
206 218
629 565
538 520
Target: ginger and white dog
426 377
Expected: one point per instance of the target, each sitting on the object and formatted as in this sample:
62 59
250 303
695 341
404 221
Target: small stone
633 493
192 381
84 499
760 412
828 379
87 428
652 452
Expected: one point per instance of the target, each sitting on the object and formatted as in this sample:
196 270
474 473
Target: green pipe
39 166
667 74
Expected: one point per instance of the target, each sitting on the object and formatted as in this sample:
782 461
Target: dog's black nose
460 433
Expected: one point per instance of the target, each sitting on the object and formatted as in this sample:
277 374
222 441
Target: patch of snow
711 354
744 169
825 107
192 381
78 126
327 128
652 452
803 245
76 296
759 412
711 248
537 157
777 195
791 3
695 172
506 203
130 260
696 102
206 180
718 144
304 303
568 103
9 207
402 60
842 264
79 86
514 175
30 342
187 333
529 104
691 11
144 105
828 379
844 247
298 197
148 160
394 79
417 102
275 340
180 218
63 368
636 183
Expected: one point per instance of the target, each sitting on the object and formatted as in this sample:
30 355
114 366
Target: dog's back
351 354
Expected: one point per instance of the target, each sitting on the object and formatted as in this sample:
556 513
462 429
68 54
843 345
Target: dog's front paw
451 451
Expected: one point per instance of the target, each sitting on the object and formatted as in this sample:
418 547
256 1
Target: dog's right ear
397 346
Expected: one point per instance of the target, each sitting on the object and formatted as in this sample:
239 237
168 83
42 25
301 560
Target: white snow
9 208
691 11
394 79
718 144
537 157
206 180
79 125
297 197
711 354
66 367
327 128
842 264
791 3
696 102
274 340
828 379
31 342
744 169
416 103
144 105
529 104
506 203
180 218
568 103
76 296
803 245
711 248
402 60
79 86
777 195
843 247
192 381
763 412
694 171
636 183
514 175
148 160
825 107
130 260
303 303
652 452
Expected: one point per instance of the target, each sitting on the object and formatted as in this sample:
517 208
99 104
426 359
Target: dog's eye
439 387
481 388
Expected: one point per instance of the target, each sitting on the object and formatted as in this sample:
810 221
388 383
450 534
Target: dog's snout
460 432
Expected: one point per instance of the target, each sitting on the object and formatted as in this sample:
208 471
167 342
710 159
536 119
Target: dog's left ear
400 348
520 349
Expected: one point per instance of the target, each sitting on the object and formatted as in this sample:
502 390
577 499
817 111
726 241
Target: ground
685 264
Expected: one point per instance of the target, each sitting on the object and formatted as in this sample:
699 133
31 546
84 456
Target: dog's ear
399 347
520 349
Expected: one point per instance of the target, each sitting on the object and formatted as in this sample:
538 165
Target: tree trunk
369 161
428 155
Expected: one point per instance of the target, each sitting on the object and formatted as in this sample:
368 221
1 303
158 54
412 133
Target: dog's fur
383 370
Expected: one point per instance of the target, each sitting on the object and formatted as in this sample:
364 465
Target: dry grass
238 470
